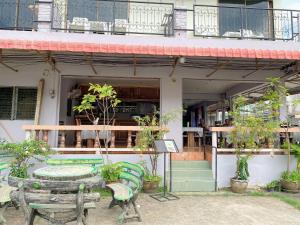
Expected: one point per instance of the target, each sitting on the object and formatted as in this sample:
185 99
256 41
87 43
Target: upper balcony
115 17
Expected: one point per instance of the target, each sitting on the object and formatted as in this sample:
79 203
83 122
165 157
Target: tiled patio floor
193 210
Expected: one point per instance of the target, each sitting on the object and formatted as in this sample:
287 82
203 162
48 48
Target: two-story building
163 55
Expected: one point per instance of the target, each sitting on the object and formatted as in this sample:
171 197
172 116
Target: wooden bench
5 189
59 202
126 193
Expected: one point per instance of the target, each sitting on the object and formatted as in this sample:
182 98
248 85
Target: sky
291 4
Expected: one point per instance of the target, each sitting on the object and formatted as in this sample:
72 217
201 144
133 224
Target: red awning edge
158 50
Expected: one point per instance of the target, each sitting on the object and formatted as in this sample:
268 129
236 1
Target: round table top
65 173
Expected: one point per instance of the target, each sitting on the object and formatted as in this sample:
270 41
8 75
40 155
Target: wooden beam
39 101
50 60
176 61
89 60
258 68
134 66
5 65
219 66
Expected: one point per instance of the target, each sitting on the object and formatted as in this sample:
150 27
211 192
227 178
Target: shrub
111 172
293 176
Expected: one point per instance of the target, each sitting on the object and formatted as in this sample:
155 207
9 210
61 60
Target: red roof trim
148 49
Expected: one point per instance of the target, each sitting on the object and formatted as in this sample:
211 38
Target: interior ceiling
192 86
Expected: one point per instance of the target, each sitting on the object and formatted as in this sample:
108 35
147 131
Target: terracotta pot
290 185
238 186
150 186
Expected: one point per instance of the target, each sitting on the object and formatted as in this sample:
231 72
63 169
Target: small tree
99 104
150 133
256 123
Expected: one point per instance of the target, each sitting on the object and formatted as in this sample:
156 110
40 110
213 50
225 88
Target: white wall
29 76
262 168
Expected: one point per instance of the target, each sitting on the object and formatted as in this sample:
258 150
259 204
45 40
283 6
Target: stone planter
290 186
238 186
14 181
150 186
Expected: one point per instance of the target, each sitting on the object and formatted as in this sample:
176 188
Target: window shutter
26 103
6 100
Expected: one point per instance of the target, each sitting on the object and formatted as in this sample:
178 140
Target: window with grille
6 99
17 103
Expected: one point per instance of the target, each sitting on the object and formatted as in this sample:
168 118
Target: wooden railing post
129 141
78 139
45 136
27 134
62 141
37 135
113 139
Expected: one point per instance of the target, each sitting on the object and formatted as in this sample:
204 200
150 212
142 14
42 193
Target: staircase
191 176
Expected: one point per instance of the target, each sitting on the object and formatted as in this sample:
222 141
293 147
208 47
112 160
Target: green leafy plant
22 153
273 185
293 176
99 104
111 172
153 128
151 178
242 171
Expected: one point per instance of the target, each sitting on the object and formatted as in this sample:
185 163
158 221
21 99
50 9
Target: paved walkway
194 210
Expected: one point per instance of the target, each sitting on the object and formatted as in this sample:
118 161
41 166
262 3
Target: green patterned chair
126 193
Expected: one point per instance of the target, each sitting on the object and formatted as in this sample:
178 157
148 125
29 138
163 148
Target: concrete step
191 165
193 185
191 173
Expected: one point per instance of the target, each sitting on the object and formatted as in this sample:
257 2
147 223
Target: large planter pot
238 186
290 186
14 181
150 186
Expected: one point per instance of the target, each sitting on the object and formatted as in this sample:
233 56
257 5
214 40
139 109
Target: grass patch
258 194
287 199
103 192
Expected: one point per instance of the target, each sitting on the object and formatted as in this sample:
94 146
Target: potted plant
153 128
249 134
23 154
239 183
290 181
111 172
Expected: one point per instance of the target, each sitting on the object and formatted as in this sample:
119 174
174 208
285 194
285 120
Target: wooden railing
41 132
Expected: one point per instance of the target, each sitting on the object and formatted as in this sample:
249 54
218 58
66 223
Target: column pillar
214 144
44 15
171 99
180 21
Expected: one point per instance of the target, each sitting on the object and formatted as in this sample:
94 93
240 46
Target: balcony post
44 15
78 139
62 141
180 21
113 139
129 141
